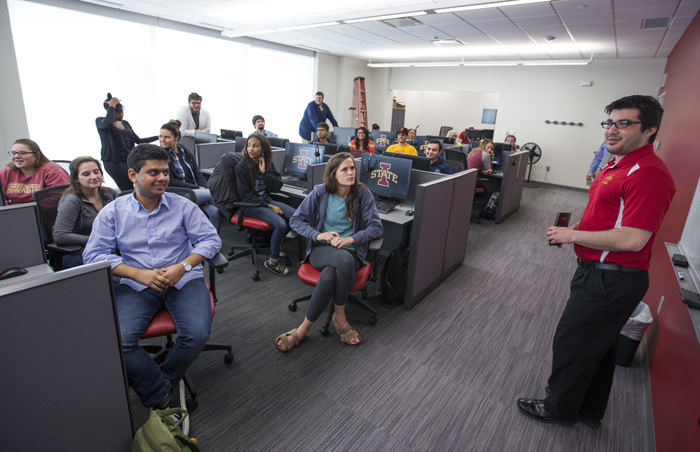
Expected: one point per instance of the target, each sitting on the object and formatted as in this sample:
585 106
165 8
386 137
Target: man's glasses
621 124
20 153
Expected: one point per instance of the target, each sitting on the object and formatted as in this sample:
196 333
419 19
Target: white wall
433 109
13 121
529 95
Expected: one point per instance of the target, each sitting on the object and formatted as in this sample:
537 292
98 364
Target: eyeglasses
20 153
621 124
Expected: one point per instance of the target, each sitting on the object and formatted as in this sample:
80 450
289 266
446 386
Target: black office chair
65 164
456 166
278 142
47 201
444 130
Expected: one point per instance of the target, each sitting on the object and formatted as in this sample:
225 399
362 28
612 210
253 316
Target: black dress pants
585 342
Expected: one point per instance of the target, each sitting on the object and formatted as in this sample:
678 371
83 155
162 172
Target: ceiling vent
404 22
661 22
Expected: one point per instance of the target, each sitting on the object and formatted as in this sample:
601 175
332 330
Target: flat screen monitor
278 142
62 363
386 176
240 143
231 134
208 154
332 148
29 251
382 139
343 135
419 162
299 156
204 137
498 149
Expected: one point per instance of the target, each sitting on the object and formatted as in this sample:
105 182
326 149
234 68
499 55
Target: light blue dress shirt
598 159
175 229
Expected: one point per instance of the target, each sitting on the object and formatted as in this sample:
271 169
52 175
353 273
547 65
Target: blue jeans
190 308
72 260
208 206
279 222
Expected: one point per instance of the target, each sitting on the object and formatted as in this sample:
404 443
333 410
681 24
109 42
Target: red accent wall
674 350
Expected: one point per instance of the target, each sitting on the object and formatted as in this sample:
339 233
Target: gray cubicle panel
429 235
187 143
314 175
63 378
20 221
419 177
512 164
208 154
460 216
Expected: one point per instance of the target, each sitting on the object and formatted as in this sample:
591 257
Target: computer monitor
204 137
382 139
240 143
299 156
333 148
343 135
278 142
419 162
231 134
208 154
419 143
389 177
29 251
61 350
498 149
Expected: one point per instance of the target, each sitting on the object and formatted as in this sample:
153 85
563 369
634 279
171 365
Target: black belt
591 265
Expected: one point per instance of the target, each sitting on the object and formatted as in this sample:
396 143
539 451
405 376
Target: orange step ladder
360 102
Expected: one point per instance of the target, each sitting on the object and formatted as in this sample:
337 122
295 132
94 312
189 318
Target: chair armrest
376 244
67 249
218 261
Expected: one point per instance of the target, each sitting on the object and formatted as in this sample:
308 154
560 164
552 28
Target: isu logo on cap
302 161
384 175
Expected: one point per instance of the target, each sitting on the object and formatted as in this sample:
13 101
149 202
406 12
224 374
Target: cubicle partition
439 232
207 155
63 380
514 165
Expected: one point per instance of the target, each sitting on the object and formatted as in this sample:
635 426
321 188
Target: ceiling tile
580 6
590 17
644 13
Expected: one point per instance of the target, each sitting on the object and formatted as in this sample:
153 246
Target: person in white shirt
192 117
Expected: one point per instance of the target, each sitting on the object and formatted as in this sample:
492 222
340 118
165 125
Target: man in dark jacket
316 112
433 151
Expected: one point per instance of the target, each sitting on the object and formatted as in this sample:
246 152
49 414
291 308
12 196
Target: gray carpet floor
443 376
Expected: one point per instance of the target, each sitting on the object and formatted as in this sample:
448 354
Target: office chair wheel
191 404
292 307
219 270
228 358
324 331
372 320
288 262
256 277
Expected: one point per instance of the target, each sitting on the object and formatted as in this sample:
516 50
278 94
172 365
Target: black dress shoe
535 409
592 423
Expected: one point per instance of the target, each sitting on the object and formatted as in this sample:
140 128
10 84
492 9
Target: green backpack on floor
161 433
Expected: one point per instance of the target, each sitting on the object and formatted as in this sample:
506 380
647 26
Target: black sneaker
277 268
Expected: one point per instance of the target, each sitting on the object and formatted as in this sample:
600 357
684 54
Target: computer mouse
409 213
12 272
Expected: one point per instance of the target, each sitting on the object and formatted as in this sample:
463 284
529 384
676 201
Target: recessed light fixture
390 16
482 63
487 5
302 27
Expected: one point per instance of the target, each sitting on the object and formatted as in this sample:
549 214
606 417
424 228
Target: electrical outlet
548 168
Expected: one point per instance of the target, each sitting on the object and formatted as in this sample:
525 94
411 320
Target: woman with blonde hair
480 158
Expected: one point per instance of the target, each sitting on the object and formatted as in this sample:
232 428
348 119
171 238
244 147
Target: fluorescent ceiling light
448 42
390 16
487 52
487 5
301 27
238 34
483 63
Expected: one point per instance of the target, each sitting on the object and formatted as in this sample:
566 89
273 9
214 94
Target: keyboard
294 182
385 205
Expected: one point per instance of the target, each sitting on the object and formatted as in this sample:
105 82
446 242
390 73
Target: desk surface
32 272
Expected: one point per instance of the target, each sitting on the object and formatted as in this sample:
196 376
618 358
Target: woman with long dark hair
29 170
339 219
256 178
362 142
118 139
79 206
184 171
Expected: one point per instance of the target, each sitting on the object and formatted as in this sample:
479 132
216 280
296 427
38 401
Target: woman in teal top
339 218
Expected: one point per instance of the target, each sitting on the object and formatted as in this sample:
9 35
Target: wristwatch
187 265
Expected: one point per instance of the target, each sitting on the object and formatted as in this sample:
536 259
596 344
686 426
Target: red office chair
309 276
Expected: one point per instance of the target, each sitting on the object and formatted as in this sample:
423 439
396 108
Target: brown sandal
347 334
289 345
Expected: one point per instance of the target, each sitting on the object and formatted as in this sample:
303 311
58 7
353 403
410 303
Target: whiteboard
690 240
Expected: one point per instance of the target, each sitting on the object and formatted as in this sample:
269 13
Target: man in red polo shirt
613 241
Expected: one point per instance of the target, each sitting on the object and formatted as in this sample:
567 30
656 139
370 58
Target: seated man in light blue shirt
601 158
162 240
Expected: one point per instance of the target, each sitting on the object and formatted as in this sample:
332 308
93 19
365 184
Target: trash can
632 334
